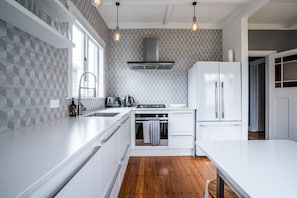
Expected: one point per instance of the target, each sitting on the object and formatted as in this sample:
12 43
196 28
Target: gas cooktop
141 106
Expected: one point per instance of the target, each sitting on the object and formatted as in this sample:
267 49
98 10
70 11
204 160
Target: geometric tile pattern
31 73
159 86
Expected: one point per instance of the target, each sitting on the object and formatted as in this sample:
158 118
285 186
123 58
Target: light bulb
117 34
195 24
96 3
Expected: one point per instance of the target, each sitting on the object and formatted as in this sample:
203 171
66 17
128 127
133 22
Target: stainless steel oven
145 116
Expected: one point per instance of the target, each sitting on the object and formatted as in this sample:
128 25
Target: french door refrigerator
214 90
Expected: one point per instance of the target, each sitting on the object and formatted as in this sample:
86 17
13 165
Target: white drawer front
180 141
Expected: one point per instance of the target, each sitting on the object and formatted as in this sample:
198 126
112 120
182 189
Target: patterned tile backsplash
160 86
31 73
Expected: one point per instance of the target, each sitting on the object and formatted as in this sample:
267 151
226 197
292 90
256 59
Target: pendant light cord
117 4
194 5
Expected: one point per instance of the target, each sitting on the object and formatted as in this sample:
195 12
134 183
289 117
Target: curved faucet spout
79 105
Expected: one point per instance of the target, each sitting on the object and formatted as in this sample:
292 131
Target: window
87 56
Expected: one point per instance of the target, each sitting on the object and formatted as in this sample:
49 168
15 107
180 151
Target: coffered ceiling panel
276 14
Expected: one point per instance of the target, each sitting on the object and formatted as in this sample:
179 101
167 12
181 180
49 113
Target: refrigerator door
208 91
216 131
230 91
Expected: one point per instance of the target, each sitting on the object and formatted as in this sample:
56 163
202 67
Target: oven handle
154 118
140 122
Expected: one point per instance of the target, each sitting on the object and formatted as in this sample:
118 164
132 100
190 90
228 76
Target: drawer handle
106 139
68 179
225 125
181 134
124 120
113 182
182 113
125 154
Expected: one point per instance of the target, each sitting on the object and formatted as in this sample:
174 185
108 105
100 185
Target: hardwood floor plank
166 177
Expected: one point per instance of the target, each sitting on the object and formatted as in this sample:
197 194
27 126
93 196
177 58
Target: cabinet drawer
181 141
181 122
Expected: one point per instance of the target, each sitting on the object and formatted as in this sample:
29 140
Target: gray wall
279 40
160 86
33 72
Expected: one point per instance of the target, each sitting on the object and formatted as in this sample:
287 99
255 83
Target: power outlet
54 104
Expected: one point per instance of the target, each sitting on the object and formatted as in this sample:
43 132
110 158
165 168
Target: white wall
235 37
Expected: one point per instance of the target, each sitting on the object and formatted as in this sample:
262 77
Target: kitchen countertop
163 109
30 156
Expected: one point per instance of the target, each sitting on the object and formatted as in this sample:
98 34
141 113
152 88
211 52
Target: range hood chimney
150 57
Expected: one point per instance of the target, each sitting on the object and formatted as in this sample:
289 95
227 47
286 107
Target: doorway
257 98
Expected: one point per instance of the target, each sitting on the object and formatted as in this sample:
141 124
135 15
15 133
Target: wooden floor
257 135
167 177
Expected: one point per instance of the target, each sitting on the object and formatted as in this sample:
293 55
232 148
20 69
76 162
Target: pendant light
117 34
195 23
96 3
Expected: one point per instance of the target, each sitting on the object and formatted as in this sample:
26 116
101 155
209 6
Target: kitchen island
259 168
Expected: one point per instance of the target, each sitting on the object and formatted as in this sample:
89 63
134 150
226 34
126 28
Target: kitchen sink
102 115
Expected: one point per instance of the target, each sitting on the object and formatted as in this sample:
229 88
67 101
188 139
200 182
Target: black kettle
129 101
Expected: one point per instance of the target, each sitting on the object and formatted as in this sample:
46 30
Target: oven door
143 133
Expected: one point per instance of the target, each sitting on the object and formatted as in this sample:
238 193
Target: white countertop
261 168
29 156
163 109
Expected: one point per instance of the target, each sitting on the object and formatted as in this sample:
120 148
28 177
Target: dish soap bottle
72 108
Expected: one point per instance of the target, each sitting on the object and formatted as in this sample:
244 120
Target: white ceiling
277 14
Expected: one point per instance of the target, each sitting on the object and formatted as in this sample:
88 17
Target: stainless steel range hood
150 57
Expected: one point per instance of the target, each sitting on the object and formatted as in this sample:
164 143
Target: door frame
265 54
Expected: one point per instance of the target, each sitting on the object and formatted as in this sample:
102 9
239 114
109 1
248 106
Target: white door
283 95
208 91
230 91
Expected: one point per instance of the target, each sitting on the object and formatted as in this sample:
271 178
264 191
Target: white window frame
92 33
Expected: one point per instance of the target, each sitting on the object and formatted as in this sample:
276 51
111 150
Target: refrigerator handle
222 96
216 98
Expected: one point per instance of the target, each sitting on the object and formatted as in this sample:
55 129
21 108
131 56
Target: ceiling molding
261 53
270 27
162 26
244 11
177 2
168 14
291 24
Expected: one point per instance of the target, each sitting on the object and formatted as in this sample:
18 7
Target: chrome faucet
80 106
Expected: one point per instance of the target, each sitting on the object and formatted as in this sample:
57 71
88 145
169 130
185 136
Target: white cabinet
181 125
114 157
218 91
125 145
84 181
109 160
99 170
